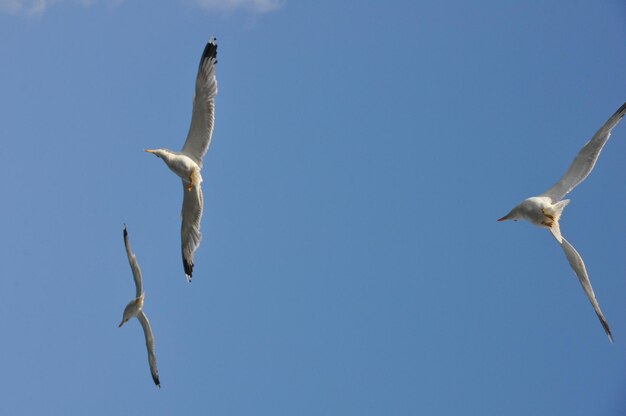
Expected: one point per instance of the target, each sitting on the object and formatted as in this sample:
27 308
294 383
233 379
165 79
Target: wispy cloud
253 6
29 7
37 7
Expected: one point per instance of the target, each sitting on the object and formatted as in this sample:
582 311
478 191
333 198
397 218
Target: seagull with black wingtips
187 163
545 210
135 309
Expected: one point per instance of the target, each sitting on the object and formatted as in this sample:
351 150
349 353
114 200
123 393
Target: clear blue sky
351 263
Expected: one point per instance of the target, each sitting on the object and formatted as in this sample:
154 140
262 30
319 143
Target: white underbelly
183 166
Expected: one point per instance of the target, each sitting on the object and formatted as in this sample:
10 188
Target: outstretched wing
190 229
147 331
132 260
202 117
579 268
585 160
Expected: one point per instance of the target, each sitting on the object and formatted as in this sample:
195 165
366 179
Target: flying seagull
188 162
135 308
546 209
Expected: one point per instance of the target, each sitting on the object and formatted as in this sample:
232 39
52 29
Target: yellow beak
148 150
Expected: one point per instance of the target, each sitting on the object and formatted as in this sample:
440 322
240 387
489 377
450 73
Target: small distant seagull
545 210
135 309
188 162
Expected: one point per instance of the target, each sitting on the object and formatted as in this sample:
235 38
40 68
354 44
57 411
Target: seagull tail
556 210
196 177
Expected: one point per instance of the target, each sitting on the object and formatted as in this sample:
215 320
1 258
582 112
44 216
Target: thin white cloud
254 6
37 7
28 7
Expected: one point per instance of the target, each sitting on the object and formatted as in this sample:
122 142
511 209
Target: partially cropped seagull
188 162
545 210
135 309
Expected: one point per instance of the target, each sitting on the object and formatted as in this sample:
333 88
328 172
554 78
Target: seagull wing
147 331
132 260
585 160
201 129
579 268
190 229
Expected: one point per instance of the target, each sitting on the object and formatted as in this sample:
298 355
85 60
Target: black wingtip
188 266
210 50
605 325
607 330
125 232
621 111
156 381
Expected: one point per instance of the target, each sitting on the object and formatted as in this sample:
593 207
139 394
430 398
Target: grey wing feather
203 113
132 260
578 265
143 319
190 229
585 160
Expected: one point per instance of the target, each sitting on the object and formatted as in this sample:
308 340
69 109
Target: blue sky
351 263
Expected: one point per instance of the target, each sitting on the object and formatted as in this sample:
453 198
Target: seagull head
157 152
514 215
132 309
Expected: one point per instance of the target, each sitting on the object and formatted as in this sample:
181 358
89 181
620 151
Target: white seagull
545 210
188 162
135 309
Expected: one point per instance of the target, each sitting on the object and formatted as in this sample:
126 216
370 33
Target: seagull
135 309
188 162
545 210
